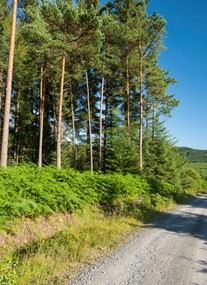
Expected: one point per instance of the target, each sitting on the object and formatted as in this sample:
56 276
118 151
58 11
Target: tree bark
153 120
42 99
1 102
101 116
89 122
127 93
54 116
5 136
141 109
16 131
73 130
59 128
105 127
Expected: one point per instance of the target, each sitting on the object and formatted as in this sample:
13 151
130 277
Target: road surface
172 251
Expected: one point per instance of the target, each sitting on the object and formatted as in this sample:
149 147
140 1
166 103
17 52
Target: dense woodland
87 88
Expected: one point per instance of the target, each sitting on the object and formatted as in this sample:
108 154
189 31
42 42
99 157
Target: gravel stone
172 251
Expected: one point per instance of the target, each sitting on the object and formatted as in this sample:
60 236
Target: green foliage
30 191
8 272
191 180
104 41
90 235
162 187
161 158
121 151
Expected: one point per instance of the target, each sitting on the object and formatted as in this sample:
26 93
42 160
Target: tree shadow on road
185 221
189 219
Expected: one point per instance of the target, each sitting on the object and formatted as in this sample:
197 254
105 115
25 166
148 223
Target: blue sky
186 58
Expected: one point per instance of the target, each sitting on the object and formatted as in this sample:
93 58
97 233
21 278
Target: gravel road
172 251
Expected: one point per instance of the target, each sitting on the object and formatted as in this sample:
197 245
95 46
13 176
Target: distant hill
194 155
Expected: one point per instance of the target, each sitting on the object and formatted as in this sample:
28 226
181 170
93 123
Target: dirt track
172 251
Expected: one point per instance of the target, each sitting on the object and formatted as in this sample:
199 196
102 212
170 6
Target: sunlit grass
55 259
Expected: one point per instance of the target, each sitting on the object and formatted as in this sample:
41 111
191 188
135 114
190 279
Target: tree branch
152 40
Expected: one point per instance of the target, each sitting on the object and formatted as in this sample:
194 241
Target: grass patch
55 259
89 234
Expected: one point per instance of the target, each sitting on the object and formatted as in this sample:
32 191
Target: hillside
194 155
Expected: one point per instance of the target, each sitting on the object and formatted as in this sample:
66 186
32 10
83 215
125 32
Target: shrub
27 190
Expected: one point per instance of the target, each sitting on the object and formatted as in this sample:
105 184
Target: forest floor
172 250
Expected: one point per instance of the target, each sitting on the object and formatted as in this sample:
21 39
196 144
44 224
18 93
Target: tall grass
55 259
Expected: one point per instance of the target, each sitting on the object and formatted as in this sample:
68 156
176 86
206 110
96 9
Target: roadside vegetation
54 222
83 103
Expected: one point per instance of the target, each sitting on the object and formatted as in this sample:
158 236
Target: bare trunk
153 120
54 116
141 110
147 116
41 116
127 93
105 128
101 116
147 122
89 122
59 128
1 102
5 136
16 137
73 126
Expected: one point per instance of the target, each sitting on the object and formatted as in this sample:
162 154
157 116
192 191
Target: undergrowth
107 209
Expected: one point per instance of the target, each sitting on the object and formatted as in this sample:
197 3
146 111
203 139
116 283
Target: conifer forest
81 87
85 156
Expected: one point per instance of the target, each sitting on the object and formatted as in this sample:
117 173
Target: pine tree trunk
89 122
41 122
16 138
153 120
54 116
5 136
147 117
127 93
73 126
59 128
105 128
1 102
147 122
141 110
101 116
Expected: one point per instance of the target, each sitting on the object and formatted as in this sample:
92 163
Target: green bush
161 187
30 191
191 180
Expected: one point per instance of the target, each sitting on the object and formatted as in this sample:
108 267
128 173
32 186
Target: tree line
87 90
